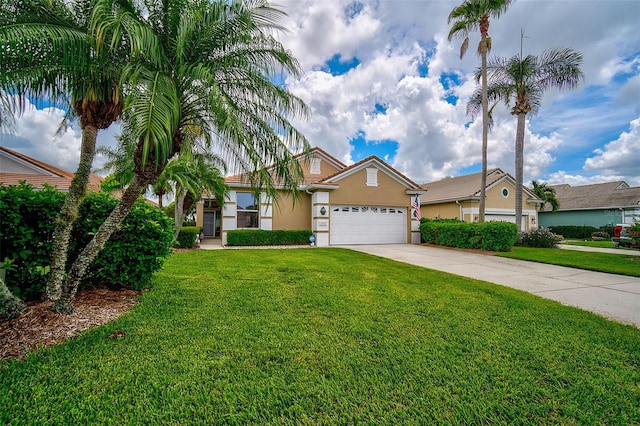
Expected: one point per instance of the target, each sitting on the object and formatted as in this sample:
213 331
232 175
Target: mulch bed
38 327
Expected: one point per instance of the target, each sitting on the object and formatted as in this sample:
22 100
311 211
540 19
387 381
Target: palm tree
547 194
469 16
525 79
212 75
194 173
46 52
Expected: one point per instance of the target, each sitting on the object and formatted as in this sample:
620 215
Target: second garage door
368 225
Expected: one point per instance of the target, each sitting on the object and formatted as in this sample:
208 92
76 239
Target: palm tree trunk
178 211
10 305
519 168
64 305
69 213
485 129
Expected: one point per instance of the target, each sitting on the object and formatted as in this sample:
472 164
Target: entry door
209 224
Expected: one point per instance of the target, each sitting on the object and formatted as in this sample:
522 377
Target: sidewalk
612 296
600 250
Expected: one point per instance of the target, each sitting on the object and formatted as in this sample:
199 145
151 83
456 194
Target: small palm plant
545 193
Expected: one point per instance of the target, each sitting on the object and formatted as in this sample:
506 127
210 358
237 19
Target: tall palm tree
467 17
546 193
47 52
525 79
213 74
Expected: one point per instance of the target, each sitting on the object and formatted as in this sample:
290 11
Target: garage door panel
505 218
368 225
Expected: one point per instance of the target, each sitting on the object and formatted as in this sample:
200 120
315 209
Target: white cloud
619 157
393 38
561 177
35 135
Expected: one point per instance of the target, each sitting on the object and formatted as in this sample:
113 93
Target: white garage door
368 225
505 218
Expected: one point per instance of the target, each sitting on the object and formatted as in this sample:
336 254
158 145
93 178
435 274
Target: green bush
187 236
600 235
134 252
260 237
27 222
634 233
129 259
608 229
573 231
490 236
541 238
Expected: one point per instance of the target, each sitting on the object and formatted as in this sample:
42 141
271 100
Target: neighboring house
16 167
368 202
459 198
593 205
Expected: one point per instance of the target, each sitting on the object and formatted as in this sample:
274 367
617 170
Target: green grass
331 336
624 264
591 243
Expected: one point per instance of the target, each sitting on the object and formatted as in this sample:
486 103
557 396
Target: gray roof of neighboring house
596 196
461 187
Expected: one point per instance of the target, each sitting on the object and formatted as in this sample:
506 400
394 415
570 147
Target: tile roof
370 159
460 187
310 179
601 195
51 175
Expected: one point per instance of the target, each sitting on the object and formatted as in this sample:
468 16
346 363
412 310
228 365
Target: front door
211 224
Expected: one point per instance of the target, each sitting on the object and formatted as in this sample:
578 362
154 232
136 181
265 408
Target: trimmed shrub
607 228
600 235
573 231
542 238
27 222
187 237
260 237
128 260
490 236
134 252
634 233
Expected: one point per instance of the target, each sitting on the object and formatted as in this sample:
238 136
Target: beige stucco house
459 198
368 202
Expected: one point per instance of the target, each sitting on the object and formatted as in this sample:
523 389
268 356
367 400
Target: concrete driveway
612 296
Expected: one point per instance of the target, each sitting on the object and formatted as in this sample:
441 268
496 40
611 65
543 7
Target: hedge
260 237
187 236
129 259
490 236
573 231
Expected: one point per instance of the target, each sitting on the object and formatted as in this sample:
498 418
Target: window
247 209
372 176
505 192
315 166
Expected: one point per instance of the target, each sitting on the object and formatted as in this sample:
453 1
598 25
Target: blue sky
382 79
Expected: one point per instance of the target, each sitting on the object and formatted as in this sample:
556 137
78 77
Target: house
16 167
368 202
459 198
593 205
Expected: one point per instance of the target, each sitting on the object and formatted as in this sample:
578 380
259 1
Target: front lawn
624 264
591 243
330 336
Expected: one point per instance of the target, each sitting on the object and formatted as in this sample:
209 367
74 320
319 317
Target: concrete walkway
600 249
612 296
